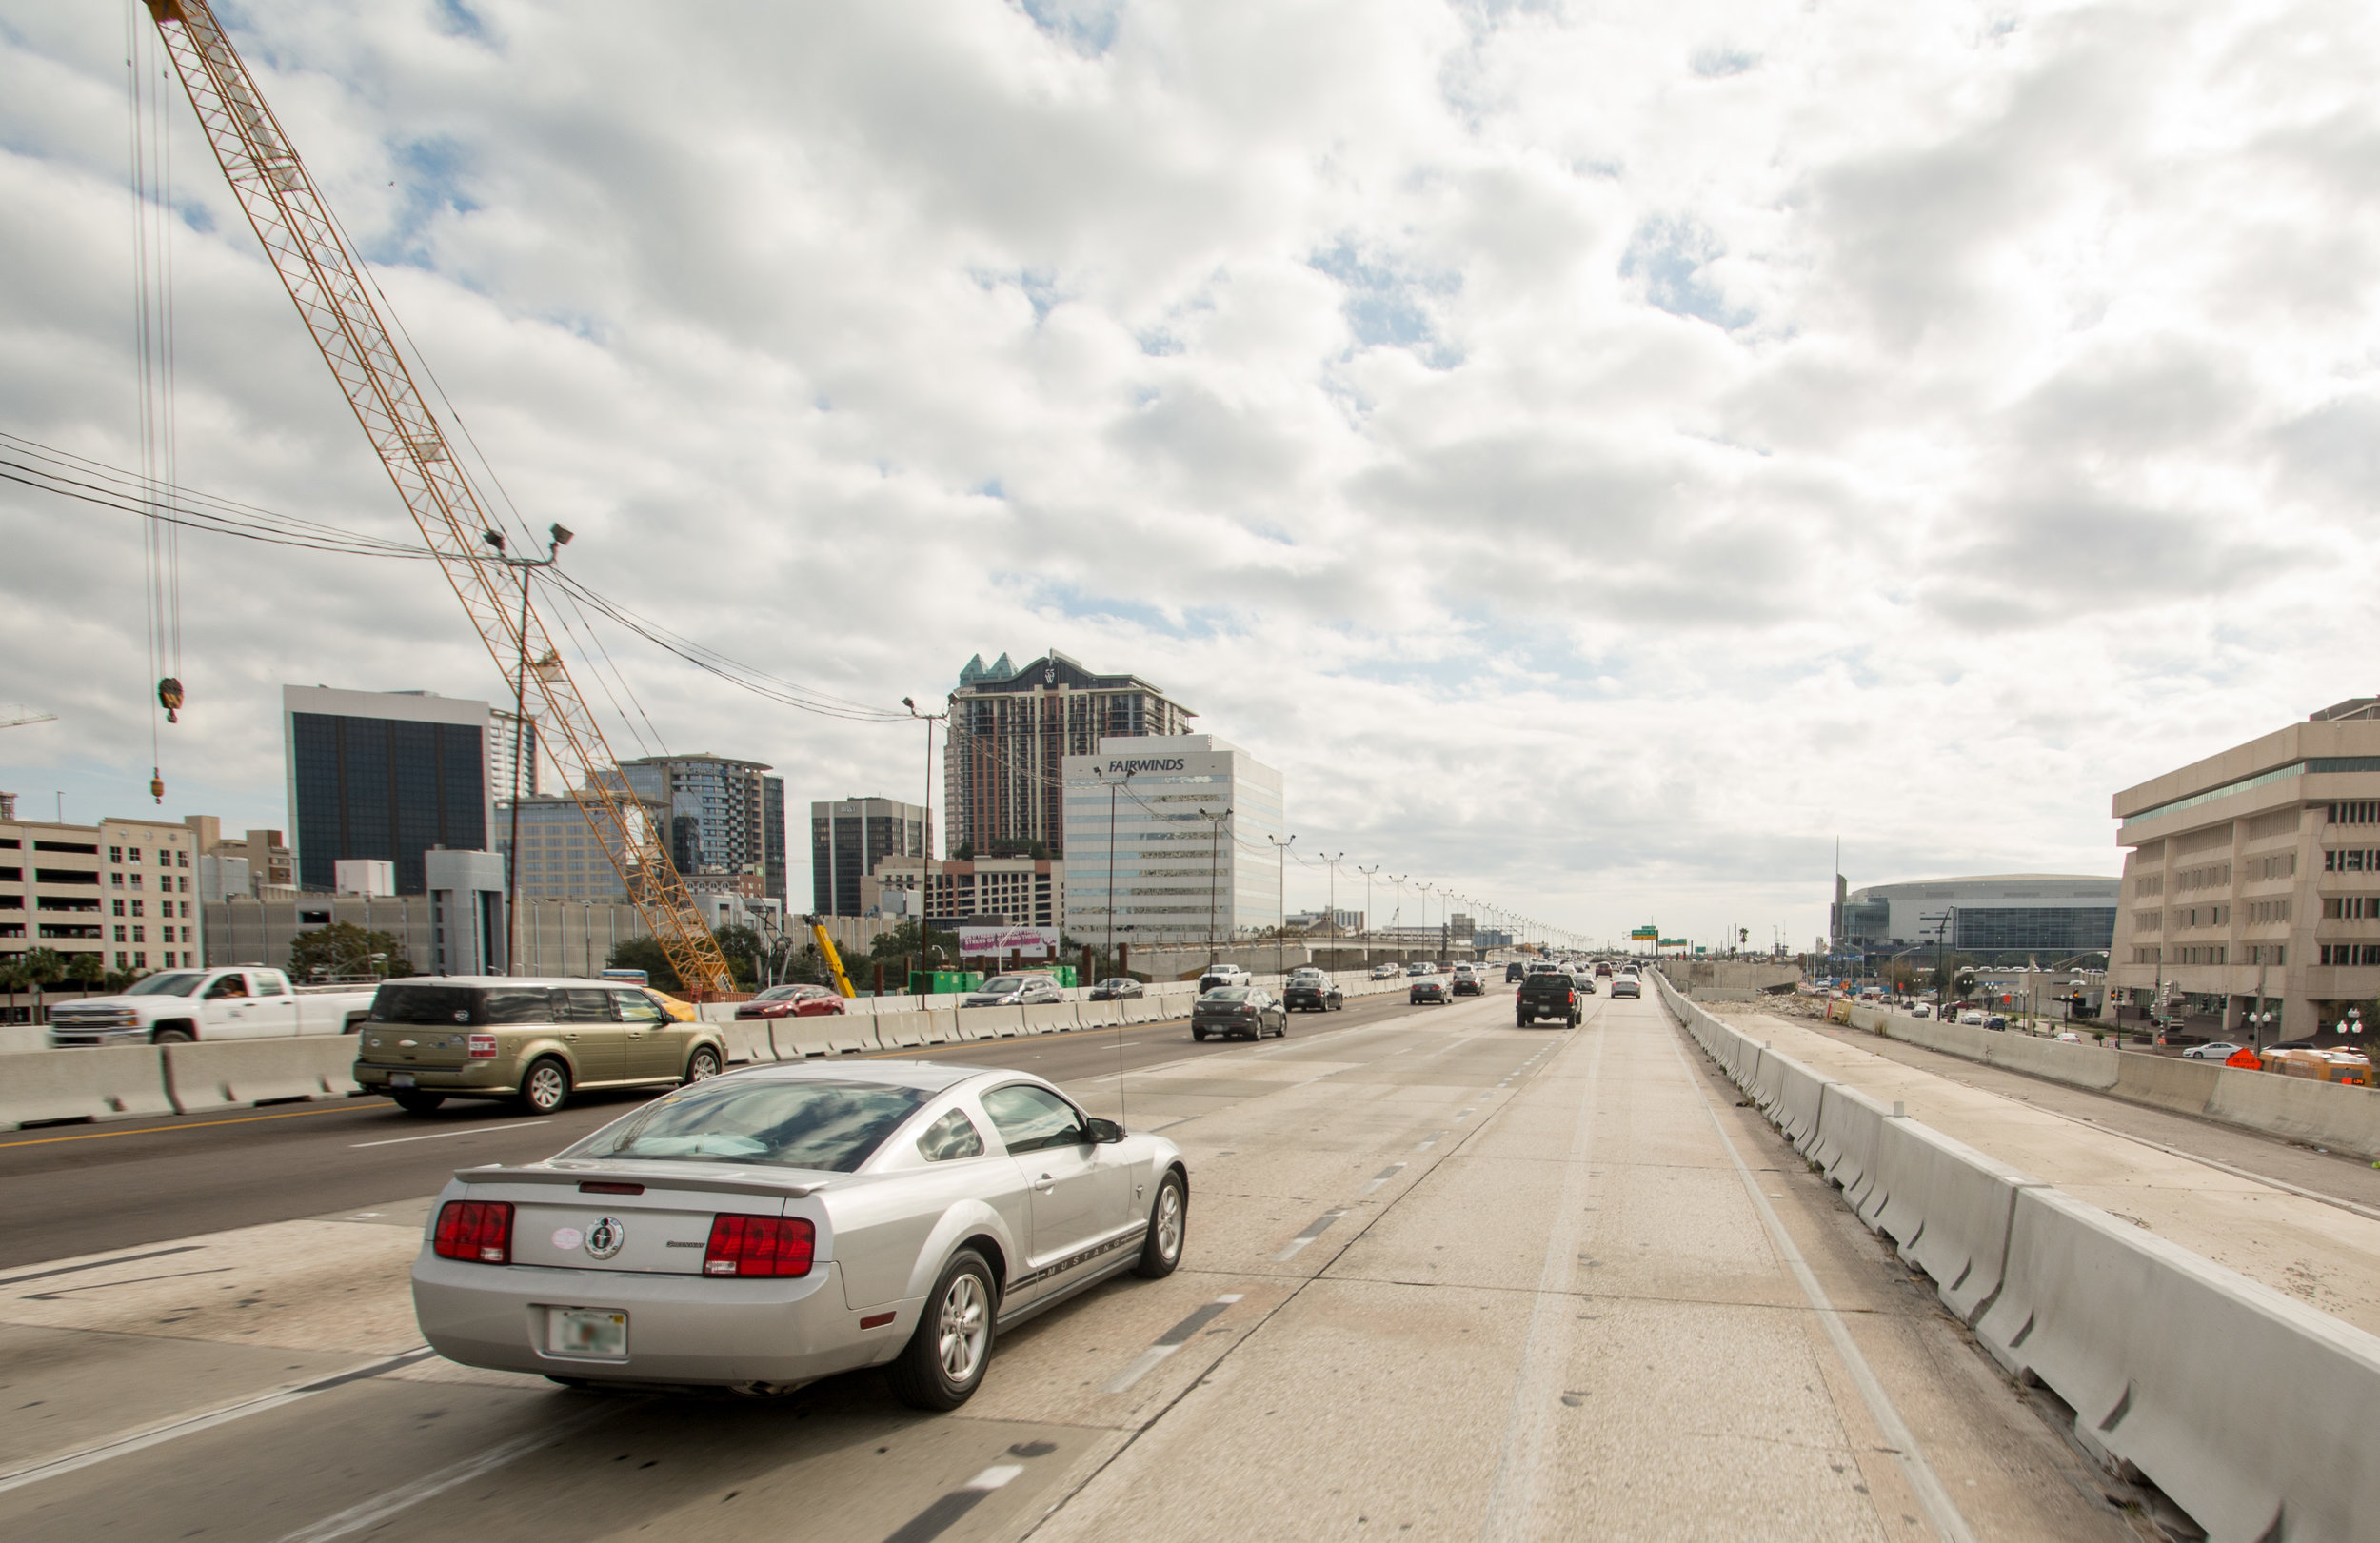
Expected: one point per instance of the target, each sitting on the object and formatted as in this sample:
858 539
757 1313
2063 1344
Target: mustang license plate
400 1079
591 1332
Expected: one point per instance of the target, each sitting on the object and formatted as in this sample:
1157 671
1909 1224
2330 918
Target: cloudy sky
1602 453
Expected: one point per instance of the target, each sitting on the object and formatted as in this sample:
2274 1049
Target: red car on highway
792 1001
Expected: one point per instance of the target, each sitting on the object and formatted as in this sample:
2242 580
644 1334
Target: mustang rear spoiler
498 1174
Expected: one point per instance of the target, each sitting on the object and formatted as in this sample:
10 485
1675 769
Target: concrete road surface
1446 1279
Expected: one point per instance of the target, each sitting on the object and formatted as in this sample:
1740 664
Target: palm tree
42 966
14 977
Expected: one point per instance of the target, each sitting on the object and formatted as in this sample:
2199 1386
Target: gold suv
431 1038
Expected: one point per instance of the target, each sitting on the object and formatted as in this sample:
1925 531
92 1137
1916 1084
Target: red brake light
480 1231
482 1047
760 1246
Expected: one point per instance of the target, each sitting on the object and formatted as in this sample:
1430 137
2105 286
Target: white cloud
1601 456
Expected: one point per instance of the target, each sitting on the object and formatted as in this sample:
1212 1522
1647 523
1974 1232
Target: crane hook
169 698
157 786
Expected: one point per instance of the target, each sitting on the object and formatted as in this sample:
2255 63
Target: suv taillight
760 1246
480 1231
482 1047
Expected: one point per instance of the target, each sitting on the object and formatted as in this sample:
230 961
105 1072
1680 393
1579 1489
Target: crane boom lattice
325 281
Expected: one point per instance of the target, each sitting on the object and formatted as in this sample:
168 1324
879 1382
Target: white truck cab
176 1006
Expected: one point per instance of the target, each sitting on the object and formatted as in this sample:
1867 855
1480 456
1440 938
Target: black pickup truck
1547 993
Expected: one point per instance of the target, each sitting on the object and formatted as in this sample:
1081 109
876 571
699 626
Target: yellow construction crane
327 283
827 951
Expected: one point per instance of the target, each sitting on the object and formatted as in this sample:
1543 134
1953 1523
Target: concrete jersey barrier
232 1073
2248 1408
111 1083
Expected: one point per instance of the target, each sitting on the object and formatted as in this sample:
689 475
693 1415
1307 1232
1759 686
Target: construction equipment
827 951
327 283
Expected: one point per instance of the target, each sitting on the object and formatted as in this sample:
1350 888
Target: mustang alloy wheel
1169 1220
943 1361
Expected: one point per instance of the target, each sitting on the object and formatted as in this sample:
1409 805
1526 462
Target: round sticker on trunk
566 1238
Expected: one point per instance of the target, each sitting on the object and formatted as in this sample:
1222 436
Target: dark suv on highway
1547 993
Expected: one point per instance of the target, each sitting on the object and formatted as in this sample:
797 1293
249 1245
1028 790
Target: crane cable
150 174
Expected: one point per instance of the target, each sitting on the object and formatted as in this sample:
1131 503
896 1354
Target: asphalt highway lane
1445 1279
80 1189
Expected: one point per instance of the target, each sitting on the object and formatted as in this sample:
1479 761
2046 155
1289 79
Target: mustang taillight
760 1246
482 1047
480 1231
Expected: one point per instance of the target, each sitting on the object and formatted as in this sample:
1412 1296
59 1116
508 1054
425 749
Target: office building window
2280 865
2350 954
2347 859
2202 954
2365 813
2264 913
2147 884
2207 876
2266 954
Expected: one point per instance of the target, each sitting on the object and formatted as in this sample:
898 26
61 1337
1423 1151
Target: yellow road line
194 1125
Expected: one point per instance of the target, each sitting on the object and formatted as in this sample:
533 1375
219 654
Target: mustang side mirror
1104 1131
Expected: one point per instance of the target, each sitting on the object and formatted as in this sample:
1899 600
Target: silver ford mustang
782 1223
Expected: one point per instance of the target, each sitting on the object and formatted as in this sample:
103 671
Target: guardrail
2243 1404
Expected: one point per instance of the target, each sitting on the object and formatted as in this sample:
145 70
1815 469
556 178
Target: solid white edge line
440 1136
1919 1474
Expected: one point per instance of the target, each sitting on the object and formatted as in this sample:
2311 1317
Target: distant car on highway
1516 972
1922 1010
1972 1018
1015 991
2218 1051
1627 985
1466 981
1237 1009
1119 988
793 1001
765 1229
434 1038
176 1006
1421 967
1428 988
1994 1021
1385 972
1311 991
1223 975
1603 968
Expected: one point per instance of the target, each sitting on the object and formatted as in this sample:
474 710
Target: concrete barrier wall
2082 1066
2246 1406
748 1042
990 1023
232 1073
2184 1086
1850 1125
18 1038
1050 1018
1799 1092
117 1082
901 1031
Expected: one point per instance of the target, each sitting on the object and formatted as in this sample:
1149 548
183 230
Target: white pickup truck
176 1006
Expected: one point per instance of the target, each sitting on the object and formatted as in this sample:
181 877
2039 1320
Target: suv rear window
491 1007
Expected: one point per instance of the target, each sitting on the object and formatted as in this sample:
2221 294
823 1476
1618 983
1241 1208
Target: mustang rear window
832 1126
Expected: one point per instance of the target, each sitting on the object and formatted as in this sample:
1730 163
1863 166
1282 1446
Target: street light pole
925 843
1113 788
1367 910
1330 861
560 535
1281 902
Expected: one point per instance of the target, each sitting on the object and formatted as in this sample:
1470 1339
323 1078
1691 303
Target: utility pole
559 538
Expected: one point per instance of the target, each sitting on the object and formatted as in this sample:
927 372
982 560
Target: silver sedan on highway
759 1230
